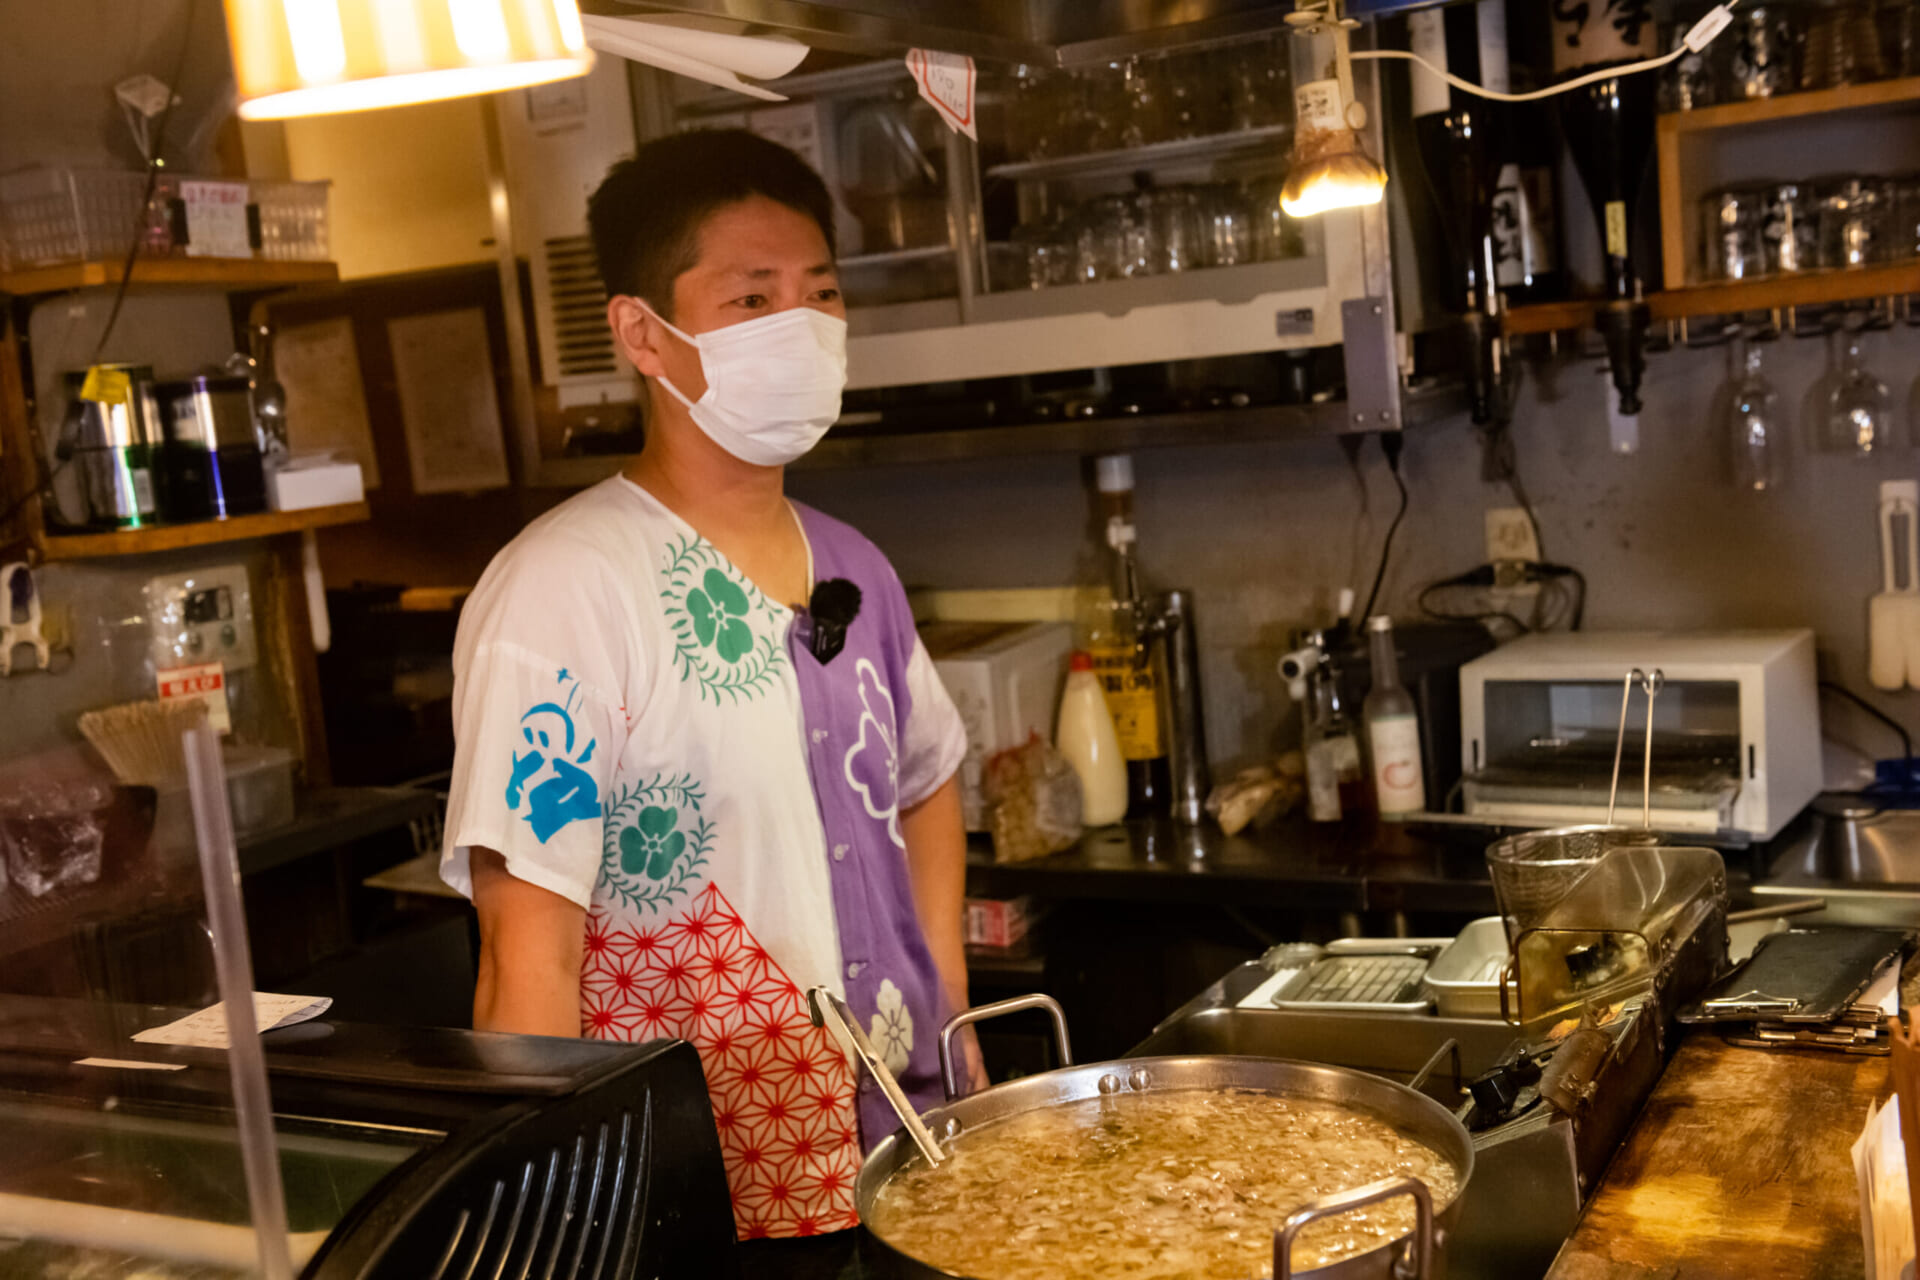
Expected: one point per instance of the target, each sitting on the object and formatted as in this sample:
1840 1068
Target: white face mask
773 383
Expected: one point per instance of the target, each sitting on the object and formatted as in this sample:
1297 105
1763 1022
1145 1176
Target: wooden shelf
172 537
1786 106
212 273
1548 317
1733 297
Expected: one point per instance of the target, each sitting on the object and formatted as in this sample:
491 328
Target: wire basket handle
1655 681
1620 738
1651 683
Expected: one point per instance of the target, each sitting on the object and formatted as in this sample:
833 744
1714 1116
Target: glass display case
1112 213
150 1138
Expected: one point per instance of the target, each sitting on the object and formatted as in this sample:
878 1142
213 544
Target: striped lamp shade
318 57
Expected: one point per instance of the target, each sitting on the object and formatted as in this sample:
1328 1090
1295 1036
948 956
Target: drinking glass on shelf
1903 237
1258 83
1178 227
1733 221
1789 232
1842 46
1754 427
1229 225
1143 104
1760 61
1276 233
1859 409
1853 222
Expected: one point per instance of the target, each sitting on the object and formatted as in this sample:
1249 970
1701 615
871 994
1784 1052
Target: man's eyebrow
766 273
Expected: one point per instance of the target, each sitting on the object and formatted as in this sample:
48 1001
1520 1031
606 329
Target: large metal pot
1421 1253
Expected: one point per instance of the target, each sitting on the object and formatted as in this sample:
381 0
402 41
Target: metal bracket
1373 371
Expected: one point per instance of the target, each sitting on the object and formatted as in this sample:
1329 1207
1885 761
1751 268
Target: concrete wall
1267 535
59 62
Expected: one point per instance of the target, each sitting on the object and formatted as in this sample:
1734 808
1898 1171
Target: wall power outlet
1511 542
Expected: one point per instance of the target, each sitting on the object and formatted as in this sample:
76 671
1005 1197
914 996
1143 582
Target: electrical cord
63 448
1698 37
1485 577
1391 444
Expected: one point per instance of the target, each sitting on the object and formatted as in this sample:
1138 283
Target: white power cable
1698 37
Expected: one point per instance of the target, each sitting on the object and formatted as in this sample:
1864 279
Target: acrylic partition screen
126 1153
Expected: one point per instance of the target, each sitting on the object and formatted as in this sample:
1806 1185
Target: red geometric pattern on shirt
782 1092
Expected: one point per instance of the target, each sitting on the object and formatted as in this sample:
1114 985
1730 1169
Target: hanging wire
1698 37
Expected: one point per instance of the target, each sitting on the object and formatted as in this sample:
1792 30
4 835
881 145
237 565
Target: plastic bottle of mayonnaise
1085 736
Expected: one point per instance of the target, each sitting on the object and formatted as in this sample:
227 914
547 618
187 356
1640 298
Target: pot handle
1414 1263
980 1013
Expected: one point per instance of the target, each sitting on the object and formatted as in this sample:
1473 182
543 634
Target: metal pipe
1187 734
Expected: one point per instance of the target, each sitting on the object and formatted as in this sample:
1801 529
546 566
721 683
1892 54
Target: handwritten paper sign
946 80
216 219
203 682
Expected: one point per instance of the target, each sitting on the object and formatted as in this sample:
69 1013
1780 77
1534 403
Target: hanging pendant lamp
1328 169
318 57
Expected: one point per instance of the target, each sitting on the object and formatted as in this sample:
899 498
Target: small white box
303 482
1006 679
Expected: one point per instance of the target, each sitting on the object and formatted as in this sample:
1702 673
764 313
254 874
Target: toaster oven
1736 730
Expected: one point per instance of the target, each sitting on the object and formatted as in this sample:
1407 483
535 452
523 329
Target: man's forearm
936 842
532 943
530 1004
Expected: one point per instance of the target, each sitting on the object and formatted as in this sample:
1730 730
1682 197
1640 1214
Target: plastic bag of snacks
1033 798
1258 796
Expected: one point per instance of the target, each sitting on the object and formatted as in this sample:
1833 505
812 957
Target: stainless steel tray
1464 979
1364 975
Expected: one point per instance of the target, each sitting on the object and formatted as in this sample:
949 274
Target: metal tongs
823 1005
1652 684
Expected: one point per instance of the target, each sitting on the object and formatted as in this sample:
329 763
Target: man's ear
638 334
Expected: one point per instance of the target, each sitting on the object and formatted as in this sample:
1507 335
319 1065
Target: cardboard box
998 922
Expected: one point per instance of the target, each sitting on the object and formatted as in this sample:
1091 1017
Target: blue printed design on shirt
549 778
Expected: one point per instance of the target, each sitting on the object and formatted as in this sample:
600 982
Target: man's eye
827 295
753 301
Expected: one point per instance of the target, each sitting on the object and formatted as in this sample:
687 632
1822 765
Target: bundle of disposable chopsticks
1890 1195
141 741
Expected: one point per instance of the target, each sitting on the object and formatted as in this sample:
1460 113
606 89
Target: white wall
1267 535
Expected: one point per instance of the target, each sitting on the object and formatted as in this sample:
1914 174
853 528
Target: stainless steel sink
1847 839
1864 860
1391 1045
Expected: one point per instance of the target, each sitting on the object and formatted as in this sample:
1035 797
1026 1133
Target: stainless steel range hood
1035 32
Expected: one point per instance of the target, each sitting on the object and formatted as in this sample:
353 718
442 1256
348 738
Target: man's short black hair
645 217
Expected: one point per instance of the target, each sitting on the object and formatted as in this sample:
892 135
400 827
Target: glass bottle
1755 430
1336 785
1393 727
1127 661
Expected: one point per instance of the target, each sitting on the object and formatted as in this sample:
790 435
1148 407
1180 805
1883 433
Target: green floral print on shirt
654 843
723 627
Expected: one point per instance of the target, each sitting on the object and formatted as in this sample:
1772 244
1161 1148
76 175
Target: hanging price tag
946 80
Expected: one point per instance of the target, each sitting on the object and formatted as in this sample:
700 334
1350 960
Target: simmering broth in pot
1179 1185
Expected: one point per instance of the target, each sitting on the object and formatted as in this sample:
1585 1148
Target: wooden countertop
1740 1167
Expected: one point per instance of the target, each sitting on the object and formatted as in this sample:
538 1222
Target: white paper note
129 1064
207 1029
319 367
443 370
